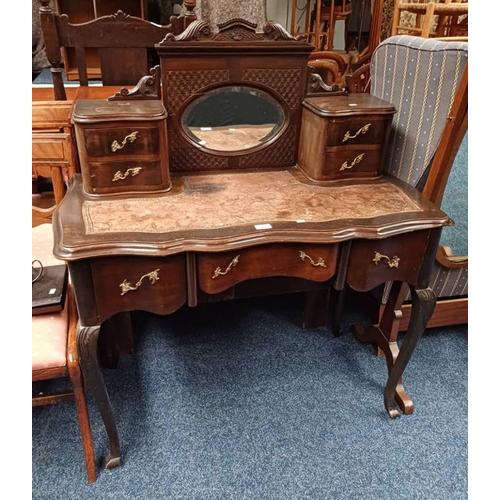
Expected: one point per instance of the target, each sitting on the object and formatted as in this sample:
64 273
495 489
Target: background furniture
431 18
106 33
96 59
53 149
318 20
54 352
424 156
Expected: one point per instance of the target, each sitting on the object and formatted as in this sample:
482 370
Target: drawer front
373 262
48 147
369 129
154 284
346 162
122 140
219 271
123 176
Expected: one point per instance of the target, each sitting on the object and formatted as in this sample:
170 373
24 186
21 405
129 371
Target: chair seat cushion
49 334
42 243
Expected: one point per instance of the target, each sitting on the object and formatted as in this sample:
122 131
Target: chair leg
83 418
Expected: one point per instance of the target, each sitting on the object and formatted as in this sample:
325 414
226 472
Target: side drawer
347 162
370 129
154 284
124 176
220 271
122 140
46 147
373 262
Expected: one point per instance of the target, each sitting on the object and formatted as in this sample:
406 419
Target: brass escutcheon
130 171
115 145
394 262
304 256
356 160
127 287
219 272
363 130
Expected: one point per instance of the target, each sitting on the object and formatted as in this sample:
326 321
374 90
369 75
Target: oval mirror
233 119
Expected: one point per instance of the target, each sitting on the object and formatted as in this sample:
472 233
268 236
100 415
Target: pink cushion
49 332
42 242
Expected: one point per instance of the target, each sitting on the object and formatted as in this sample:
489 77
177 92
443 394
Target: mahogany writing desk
228 215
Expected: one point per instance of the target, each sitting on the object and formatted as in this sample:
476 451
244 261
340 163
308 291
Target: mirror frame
198 61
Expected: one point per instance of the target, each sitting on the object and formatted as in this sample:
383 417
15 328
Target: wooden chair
329 65
54 354
443 14
126 44
320 18
429 172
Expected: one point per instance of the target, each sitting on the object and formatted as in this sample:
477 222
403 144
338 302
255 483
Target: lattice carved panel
181 85
282 153
286 82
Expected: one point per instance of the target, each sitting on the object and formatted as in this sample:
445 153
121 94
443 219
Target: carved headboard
206 77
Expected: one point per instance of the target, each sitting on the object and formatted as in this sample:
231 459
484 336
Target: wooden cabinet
81 11
344 137
122 146
52 148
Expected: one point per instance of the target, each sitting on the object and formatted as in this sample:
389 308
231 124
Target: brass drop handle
304 256
363 130
219 272
130 171
356 160
127 287
394 262
115 145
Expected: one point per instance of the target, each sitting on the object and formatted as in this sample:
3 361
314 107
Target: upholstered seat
426 79
53 349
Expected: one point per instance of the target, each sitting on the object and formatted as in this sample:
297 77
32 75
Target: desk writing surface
216 212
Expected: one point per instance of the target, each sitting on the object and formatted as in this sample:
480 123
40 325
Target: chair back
125 45
421 77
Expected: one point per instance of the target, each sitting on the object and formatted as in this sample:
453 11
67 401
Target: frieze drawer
132 135
344 137
373 262
219 271
154 284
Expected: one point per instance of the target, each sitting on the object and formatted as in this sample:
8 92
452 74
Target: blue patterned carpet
237 401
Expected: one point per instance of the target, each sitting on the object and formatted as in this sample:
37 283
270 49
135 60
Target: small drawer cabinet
344 137
122 146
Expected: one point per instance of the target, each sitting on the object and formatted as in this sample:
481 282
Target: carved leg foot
423 303
87 340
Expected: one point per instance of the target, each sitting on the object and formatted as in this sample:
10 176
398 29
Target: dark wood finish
191 65
371 262
220 271
122 146
234 219
112 34
344 137
101 62
128 284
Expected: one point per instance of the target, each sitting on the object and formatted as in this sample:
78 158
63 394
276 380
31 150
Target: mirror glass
233 119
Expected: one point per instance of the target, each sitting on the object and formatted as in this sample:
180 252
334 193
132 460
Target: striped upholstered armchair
426 80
